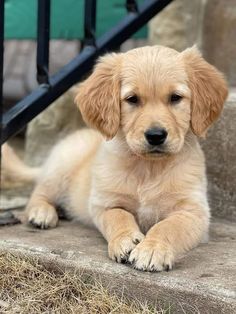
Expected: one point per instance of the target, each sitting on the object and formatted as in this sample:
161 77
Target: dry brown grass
26 286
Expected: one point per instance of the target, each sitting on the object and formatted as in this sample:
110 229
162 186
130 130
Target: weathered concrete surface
211 24
15 198
179 25
19 64
54 123
218 36
220 152
203 281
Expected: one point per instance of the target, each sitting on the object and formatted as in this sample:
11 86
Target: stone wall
59 119
220 151
219 36
179 25
211 24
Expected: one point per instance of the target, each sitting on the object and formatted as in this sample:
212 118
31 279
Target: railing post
1 63
43 36
89 23
131 6
1 76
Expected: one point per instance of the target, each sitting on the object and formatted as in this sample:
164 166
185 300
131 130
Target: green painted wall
66 18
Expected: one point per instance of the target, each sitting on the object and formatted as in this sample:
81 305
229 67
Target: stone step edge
232 95
168 292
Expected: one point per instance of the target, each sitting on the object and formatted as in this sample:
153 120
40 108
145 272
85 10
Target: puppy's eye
133 99
175 98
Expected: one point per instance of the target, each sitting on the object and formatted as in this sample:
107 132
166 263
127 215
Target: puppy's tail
13 170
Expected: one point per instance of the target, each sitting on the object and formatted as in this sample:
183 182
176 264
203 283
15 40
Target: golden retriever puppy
144 187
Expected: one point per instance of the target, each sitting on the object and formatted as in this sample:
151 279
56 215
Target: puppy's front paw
120 247
43 216
152 256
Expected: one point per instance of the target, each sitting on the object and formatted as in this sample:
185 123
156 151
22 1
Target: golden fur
150 206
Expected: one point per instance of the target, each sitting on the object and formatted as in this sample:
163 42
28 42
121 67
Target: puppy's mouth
149 152
156 151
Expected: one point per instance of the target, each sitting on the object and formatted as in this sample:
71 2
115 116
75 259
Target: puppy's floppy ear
98 97
208 89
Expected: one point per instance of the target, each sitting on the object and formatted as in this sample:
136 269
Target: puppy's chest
142 193
147 217
147 199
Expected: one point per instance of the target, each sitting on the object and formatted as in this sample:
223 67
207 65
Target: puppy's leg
178 233
40 210
121 232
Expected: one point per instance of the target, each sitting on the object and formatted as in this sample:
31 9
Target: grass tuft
26 286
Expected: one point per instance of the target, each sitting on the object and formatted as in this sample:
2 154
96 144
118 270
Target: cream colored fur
14 171
150 207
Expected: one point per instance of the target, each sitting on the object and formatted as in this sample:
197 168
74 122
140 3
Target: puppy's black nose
156 136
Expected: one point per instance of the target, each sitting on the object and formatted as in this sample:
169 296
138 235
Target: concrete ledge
220 151
204 281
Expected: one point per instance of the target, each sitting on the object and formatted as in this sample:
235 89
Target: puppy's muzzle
156 136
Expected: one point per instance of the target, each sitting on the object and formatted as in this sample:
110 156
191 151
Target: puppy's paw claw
136 241
43 217
151 256
121 246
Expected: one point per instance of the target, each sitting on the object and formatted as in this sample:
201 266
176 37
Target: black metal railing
1 63
51 87
43 35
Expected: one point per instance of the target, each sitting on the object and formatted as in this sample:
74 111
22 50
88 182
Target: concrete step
203 281
220 151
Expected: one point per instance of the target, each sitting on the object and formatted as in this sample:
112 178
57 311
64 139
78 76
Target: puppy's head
152 96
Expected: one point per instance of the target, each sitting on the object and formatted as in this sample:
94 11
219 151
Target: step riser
220 152
203 281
